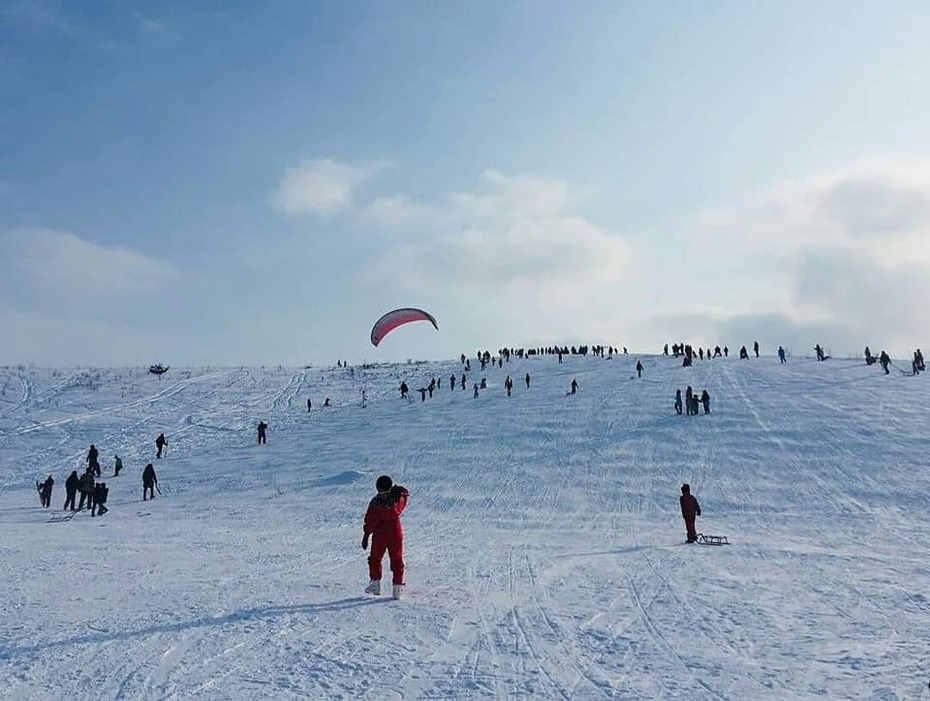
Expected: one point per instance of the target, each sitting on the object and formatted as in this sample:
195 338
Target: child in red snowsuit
690 509
382 522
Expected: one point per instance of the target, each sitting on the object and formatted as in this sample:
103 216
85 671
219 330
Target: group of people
94 493
692 401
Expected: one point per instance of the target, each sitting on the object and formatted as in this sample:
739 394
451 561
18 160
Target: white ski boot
374 587
398 591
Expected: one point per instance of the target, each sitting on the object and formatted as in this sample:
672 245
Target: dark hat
384 483
685 488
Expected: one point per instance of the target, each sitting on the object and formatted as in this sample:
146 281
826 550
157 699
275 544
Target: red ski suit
689 509
382 522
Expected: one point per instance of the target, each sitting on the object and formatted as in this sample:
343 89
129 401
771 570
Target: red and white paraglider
398 317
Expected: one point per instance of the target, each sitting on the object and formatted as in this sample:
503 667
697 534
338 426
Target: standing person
639 369
705 400
92 462
688 395
690 509
87 489
475 396
262 438
527 380
160 443
45 491
884 360
452 382
149 480
403 390
309 405
463 380
117 466
726 352
574 386
422 392
508 385
755 347
781 355
71 487
678 401
382 523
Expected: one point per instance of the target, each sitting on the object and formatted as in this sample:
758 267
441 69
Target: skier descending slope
382 522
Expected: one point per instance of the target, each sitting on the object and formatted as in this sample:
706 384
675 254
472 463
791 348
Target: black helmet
686 488
384 483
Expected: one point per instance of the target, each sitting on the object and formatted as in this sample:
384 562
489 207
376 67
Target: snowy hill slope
545 547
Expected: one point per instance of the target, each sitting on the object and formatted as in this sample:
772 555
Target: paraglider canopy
398 317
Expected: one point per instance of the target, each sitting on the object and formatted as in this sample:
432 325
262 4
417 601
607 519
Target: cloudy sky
225 186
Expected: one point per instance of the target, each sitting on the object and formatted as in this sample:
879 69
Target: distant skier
688 396
781 355
639 369
86 486
915 365
819 351
403 390
92 460
262 437
527 380
508 385
422 392
452 382
45 491
309 405
463 380
160 443
484 383
664 350
100 498
920 361
755 347
382 523
726 352
574 386
71 487
869 358
690 509
705 400
678 401
701 353
149 480
118 465
475 396
884 360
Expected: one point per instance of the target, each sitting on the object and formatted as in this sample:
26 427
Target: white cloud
842 257
61 261
322 187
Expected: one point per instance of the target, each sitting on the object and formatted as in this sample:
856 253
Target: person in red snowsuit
382 523
690 509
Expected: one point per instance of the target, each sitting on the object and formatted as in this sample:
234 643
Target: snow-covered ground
545 547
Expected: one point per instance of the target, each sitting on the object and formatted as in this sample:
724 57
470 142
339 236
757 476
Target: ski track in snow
544 543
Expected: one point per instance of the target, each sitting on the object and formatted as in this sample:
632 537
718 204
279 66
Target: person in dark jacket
678 401
160 443
117 466
309 405
382 524
403 390
690 509
755 347
100 498
262 438
71 487
639 369
87 488
705 400
688 396
884 360
45 491
149 480
527 380
574 386
92 462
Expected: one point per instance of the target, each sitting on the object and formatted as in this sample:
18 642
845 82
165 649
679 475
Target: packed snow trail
545 554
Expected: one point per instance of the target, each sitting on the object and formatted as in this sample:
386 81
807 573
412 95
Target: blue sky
256 185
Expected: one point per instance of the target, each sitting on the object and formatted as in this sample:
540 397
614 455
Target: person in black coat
705 400
71 487
149 480
87 489
45 491
92 461
100 498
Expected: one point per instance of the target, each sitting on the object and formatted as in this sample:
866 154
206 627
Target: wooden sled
712 539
